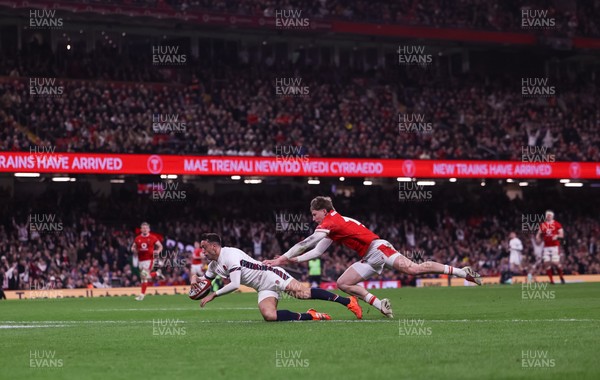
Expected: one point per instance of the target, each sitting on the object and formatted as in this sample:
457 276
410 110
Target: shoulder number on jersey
352 220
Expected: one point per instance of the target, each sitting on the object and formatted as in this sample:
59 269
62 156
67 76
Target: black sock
286 315
320 294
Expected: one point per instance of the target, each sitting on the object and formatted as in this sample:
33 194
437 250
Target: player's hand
195 278
278 260
207 299
271 262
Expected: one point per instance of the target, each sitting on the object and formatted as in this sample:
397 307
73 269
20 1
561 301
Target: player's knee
297 290
270 316
302 294
342 286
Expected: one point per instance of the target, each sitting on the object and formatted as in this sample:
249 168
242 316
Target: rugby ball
200 289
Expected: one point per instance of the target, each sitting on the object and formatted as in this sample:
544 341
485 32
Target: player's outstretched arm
298 249
313 253
235 278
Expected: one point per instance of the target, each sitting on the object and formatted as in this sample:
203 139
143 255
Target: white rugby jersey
515 245
253 272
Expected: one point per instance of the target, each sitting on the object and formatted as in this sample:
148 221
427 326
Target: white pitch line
28 326
425 321
505 320
65 323
174 309
34 323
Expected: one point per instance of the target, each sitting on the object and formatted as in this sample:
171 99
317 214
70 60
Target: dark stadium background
215 74
441 125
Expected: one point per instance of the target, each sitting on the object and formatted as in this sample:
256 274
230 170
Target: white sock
454 271
373 301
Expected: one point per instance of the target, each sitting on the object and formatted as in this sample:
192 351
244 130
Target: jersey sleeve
210 271
558 226
325 226
235 278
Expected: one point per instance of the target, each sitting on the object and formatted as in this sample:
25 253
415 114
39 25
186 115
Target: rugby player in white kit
515 246
268 281
374 253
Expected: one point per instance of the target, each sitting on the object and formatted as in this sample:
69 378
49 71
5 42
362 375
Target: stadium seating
244 116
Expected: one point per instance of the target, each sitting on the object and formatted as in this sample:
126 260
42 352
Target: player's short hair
320 203
145 224
211 238
549 212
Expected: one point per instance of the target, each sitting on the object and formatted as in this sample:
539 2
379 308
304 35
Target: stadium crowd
238 111
91 245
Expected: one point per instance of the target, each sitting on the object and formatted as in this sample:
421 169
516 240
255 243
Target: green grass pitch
490 332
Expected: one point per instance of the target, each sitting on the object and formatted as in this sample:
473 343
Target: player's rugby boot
354 307
386 308
318 316
472 275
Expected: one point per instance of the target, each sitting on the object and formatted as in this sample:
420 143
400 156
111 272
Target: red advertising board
73 163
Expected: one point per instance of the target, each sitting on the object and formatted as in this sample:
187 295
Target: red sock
560 274
549 273
144 286
152 274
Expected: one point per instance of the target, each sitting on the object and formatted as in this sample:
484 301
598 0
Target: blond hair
320 203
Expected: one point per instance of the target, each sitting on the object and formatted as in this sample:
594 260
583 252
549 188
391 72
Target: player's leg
560 273
268 308
515 263
155 264
403 264
547 255
358 272
348 281
144 267
267 304
557 263
520 267
394 259
550 272
298 290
